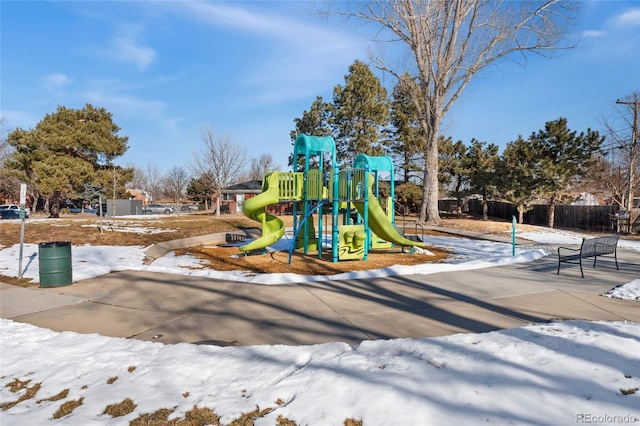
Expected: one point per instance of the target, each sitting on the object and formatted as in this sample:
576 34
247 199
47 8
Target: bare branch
221 159
451 41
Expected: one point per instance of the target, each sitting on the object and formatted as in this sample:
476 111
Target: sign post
23 200
513 236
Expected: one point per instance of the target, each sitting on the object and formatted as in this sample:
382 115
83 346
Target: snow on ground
557 373
91 261
571 372
629 291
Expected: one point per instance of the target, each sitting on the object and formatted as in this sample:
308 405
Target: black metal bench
591 247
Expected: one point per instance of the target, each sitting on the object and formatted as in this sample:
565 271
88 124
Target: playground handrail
290 185
401 210
416 231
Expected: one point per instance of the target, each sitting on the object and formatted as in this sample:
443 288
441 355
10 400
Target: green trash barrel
55 263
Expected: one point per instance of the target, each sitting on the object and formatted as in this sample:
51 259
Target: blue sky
247 69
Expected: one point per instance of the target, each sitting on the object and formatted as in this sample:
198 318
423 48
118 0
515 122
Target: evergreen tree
562 156
92 194
453 170
360 110
314 122
482 161
406 142
66 150
200 189
517 175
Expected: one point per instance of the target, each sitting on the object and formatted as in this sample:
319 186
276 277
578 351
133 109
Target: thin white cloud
594 33
55 84
630 18
126 49
56 80
299 58
130 105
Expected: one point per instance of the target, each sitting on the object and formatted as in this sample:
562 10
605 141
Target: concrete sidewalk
176 308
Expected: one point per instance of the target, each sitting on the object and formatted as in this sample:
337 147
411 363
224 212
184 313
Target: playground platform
176 308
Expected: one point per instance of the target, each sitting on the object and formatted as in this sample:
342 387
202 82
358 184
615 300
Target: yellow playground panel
352 241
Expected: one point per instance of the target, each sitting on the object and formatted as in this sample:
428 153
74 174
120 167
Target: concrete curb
156 251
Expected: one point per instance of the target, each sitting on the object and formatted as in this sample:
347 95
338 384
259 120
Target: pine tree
453 170
360 110
314 122
68 149
562 156
482 161
406 142
517 175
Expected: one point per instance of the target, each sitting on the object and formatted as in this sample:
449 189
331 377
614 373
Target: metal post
335 232
368 233
632 162
513 236
23 200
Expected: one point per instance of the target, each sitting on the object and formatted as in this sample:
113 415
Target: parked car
10 214
157 209
104 210
13 208
9 206
72 208
75 210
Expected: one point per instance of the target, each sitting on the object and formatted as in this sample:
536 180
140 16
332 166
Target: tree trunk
485 208
520 214
552 210
218 203
54 210
429 208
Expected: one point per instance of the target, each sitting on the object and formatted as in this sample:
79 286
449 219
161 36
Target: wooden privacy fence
587 218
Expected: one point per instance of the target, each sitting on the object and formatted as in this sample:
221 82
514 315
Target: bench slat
590 247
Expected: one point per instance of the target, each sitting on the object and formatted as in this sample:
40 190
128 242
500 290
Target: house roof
252 186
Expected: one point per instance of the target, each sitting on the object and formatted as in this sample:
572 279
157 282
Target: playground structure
358 220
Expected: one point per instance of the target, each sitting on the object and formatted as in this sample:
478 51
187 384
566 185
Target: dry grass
200 416
158 417
83 229
61 395
283 421
247 418
67 408
120 409
231 259
16 386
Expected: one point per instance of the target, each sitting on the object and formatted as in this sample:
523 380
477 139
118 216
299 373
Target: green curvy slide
253 208
380 224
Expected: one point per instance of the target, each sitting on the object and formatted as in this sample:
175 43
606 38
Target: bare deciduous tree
152 182
450 42
176 181
4 145
261 166
220 158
